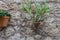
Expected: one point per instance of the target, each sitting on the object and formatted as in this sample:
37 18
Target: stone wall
17 29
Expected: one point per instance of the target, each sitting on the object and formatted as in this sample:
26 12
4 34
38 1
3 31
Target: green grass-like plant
41 10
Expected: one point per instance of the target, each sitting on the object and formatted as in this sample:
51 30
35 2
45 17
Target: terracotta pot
5 21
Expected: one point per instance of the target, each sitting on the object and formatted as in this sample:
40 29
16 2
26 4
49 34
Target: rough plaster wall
17 30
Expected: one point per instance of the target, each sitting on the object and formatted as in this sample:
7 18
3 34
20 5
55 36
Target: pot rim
6 17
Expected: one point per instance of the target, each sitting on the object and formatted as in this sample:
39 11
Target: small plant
40 11
37 12
4 18
4 13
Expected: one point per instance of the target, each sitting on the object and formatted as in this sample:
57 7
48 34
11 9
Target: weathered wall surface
17 30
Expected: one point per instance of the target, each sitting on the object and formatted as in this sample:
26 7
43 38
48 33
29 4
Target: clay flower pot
4 18
4 21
